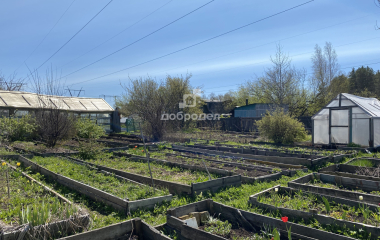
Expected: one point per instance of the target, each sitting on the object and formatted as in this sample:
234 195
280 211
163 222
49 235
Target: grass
306 201
319 183
103 215
107 183
4 151
285 149
362 163
159 171
28 202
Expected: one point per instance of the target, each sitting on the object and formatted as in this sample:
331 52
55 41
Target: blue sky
217 65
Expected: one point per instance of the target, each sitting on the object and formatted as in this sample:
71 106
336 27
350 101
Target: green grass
4 151
306 201
28 201
159 171
362 163
107 183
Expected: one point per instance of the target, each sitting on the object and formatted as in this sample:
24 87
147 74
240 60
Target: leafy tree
17 129
87 128
361 79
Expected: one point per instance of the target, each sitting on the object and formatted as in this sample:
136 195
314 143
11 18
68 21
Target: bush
17 129
280 127
89 150
86 128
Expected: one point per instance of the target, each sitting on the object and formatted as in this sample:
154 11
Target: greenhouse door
339 126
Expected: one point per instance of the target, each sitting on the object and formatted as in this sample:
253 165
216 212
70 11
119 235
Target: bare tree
145 98
279 83
325 69
52 116
150 99
11 83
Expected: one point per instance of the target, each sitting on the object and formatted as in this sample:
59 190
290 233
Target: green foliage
327 204
353 145
280 127
218 227
362 163
87 128
17 129
39 214
92 177
89 150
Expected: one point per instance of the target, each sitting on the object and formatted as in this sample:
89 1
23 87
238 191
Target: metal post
204 164
147 157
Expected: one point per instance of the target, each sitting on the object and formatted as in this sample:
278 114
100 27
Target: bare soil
235 233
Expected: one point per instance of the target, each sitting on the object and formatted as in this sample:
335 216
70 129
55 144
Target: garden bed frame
222 172
346 170
121 231
322 219
287 169
174 188
300 184
243 218
94 193
236 154
67 226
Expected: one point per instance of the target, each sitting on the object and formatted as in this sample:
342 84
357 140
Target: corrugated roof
369 105
26 100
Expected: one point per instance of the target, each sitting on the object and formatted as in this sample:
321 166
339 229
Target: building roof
369 105
26 100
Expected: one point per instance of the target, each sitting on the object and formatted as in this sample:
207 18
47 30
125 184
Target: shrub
86 128
17 129
89 150
280 127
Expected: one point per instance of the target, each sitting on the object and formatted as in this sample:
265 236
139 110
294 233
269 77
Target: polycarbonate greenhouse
348 119
17 104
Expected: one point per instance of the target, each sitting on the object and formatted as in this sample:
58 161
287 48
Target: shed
348 119
256 110
17 104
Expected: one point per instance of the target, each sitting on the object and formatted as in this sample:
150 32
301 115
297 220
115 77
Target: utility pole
73 91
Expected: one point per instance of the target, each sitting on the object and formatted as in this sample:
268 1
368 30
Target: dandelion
18 164
27 181
360 198
3 164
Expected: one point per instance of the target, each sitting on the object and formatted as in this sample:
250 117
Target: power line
366 64
196 44
138 40
118 33
246 49
251 64
47 34
73 35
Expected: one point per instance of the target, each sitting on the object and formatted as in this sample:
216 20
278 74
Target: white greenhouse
348 119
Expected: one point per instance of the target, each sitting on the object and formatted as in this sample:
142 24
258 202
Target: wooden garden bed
249 221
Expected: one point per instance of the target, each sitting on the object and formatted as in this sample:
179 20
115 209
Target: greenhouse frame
348 119
18 104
